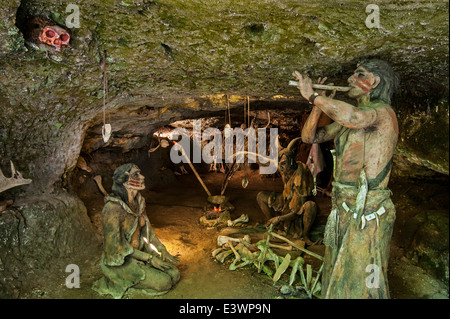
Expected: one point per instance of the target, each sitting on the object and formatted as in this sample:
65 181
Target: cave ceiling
170 60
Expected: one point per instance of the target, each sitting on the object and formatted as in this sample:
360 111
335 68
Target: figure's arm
140 255
346 114
154 260
165 255
311 134
341 112
154 240
286 214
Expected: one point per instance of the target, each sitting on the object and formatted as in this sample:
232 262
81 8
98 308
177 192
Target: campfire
216 211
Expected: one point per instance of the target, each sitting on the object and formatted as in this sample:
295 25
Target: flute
325 87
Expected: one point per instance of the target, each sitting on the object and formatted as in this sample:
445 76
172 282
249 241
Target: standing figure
359 228
295 208
128 260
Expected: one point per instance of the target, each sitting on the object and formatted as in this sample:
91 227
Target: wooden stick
194 170
229 175
325 87
296 246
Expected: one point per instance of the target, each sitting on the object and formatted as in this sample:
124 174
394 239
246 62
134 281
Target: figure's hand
323 92
304 85
166 256
273 221
160 264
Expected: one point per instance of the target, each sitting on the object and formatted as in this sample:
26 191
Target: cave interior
170 64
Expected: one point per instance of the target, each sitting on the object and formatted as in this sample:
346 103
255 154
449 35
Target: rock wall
41 235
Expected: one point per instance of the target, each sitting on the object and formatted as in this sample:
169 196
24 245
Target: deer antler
16 179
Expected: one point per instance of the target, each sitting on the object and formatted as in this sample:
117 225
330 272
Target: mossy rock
428 236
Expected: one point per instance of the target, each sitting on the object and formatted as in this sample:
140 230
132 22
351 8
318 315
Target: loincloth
344 202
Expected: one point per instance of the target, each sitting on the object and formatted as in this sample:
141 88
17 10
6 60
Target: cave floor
175 210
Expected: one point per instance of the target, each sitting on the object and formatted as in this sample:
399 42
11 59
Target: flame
217 209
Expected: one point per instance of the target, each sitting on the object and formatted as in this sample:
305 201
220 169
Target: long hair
388 79
120 176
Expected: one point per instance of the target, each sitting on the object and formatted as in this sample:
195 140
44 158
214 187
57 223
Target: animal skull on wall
54 36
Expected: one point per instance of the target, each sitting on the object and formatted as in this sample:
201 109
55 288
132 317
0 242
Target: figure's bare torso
372 147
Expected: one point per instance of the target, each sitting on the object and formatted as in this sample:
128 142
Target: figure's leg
158 282
263 201
309 215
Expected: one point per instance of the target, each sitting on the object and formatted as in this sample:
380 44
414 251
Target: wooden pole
194 170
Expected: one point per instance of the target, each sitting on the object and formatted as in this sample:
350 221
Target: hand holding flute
306 87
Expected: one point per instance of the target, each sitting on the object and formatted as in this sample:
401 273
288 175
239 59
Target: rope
105 89
248 111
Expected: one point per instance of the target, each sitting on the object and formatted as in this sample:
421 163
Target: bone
296 246
223 255
16 179
238 256
242 219
81 164
216 251
262 257
222 240
287 247
98 181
